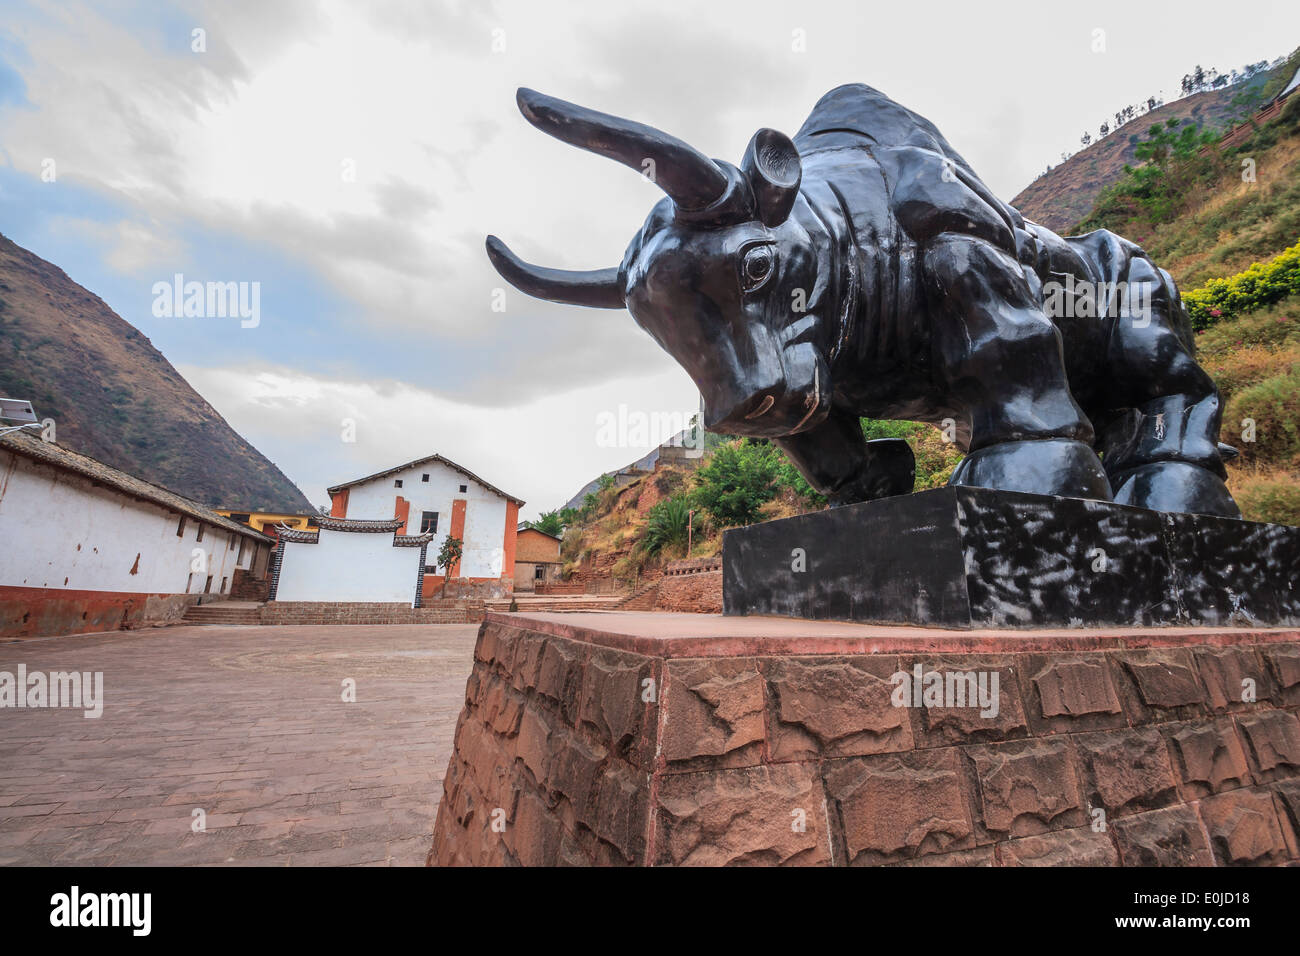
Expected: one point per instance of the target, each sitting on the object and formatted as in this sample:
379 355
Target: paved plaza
247 724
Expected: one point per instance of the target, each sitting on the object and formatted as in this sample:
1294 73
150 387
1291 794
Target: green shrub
666 526
1262 284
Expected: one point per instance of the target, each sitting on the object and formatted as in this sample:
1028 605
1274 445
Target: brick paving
247 724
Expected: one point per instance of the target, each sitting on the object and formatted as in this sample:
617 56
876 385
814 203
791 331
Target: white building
85 547
347 560
436 496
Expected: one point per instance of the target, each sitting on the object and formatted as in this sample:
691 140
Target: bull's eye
756 267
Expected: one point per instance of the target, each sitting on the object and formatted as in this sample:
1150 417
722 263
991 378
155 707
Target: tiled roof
65 459
422 461
359 524
347 524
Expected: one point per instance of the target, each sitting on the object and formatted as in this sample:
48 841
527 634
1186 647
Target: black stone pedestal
975 558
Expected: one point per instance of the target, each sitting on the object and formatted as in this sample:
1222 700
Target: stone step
232 613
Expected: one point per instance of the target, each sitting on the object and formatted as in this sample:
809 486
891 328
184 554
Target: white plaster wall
485 512
348 566
59 530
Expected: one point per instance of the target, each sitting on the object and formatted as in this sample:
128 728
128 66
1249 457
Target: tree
1105 129
553 522
1085 139
737 481
448 555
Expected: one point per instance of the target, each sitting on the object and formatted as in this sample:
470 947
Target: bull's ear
772 166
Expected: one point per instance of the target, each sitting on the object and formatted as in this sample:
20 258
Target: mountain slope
1065 194
115 398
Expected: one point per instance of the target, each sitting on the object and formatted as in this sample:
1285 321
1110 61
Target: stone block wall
693 586
363 612
578 747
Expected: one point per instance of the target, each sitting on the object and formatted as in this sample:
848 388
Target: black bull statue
863 269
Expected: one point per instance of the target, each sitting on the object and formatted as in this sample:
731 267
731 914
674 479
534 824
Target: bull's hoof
1053 466
1175 486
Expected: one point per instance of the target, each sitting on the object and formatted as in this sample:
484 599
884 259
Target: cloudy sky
350 158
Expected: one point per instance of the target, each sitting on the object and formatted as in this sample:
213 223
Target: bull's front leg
1000 358
840 464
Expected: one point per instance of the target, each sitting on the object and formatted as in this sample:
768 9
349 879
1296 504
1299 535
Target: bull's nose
763 407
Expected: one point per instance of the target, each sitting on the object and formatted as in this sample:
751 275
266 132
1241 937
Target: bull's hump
860 112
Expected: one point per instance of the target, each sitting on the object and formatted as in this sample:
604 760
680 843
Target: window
200 537
232 540
189 582
207 588
464 488
223 586
424 478
430 569
429 522
180 528
243 547
397 483
539 572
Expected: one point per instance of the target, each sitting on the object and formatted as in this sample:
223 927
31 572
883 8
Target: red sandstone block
623 810
1235 678
500 706
1272 743
1284 666
571 853
836 707
619 700
937 726
1026 787
574 772
489 765
535 836
980 856
559 674
1082 846
1126 771
526 663
1208 756
713 710
1158 684
1168 837
754 815
533 745
1286 796
1069 694
900 806
1244 828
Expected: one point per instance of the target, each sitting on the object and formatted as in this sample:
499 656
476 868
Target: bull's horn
690 178
598 288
